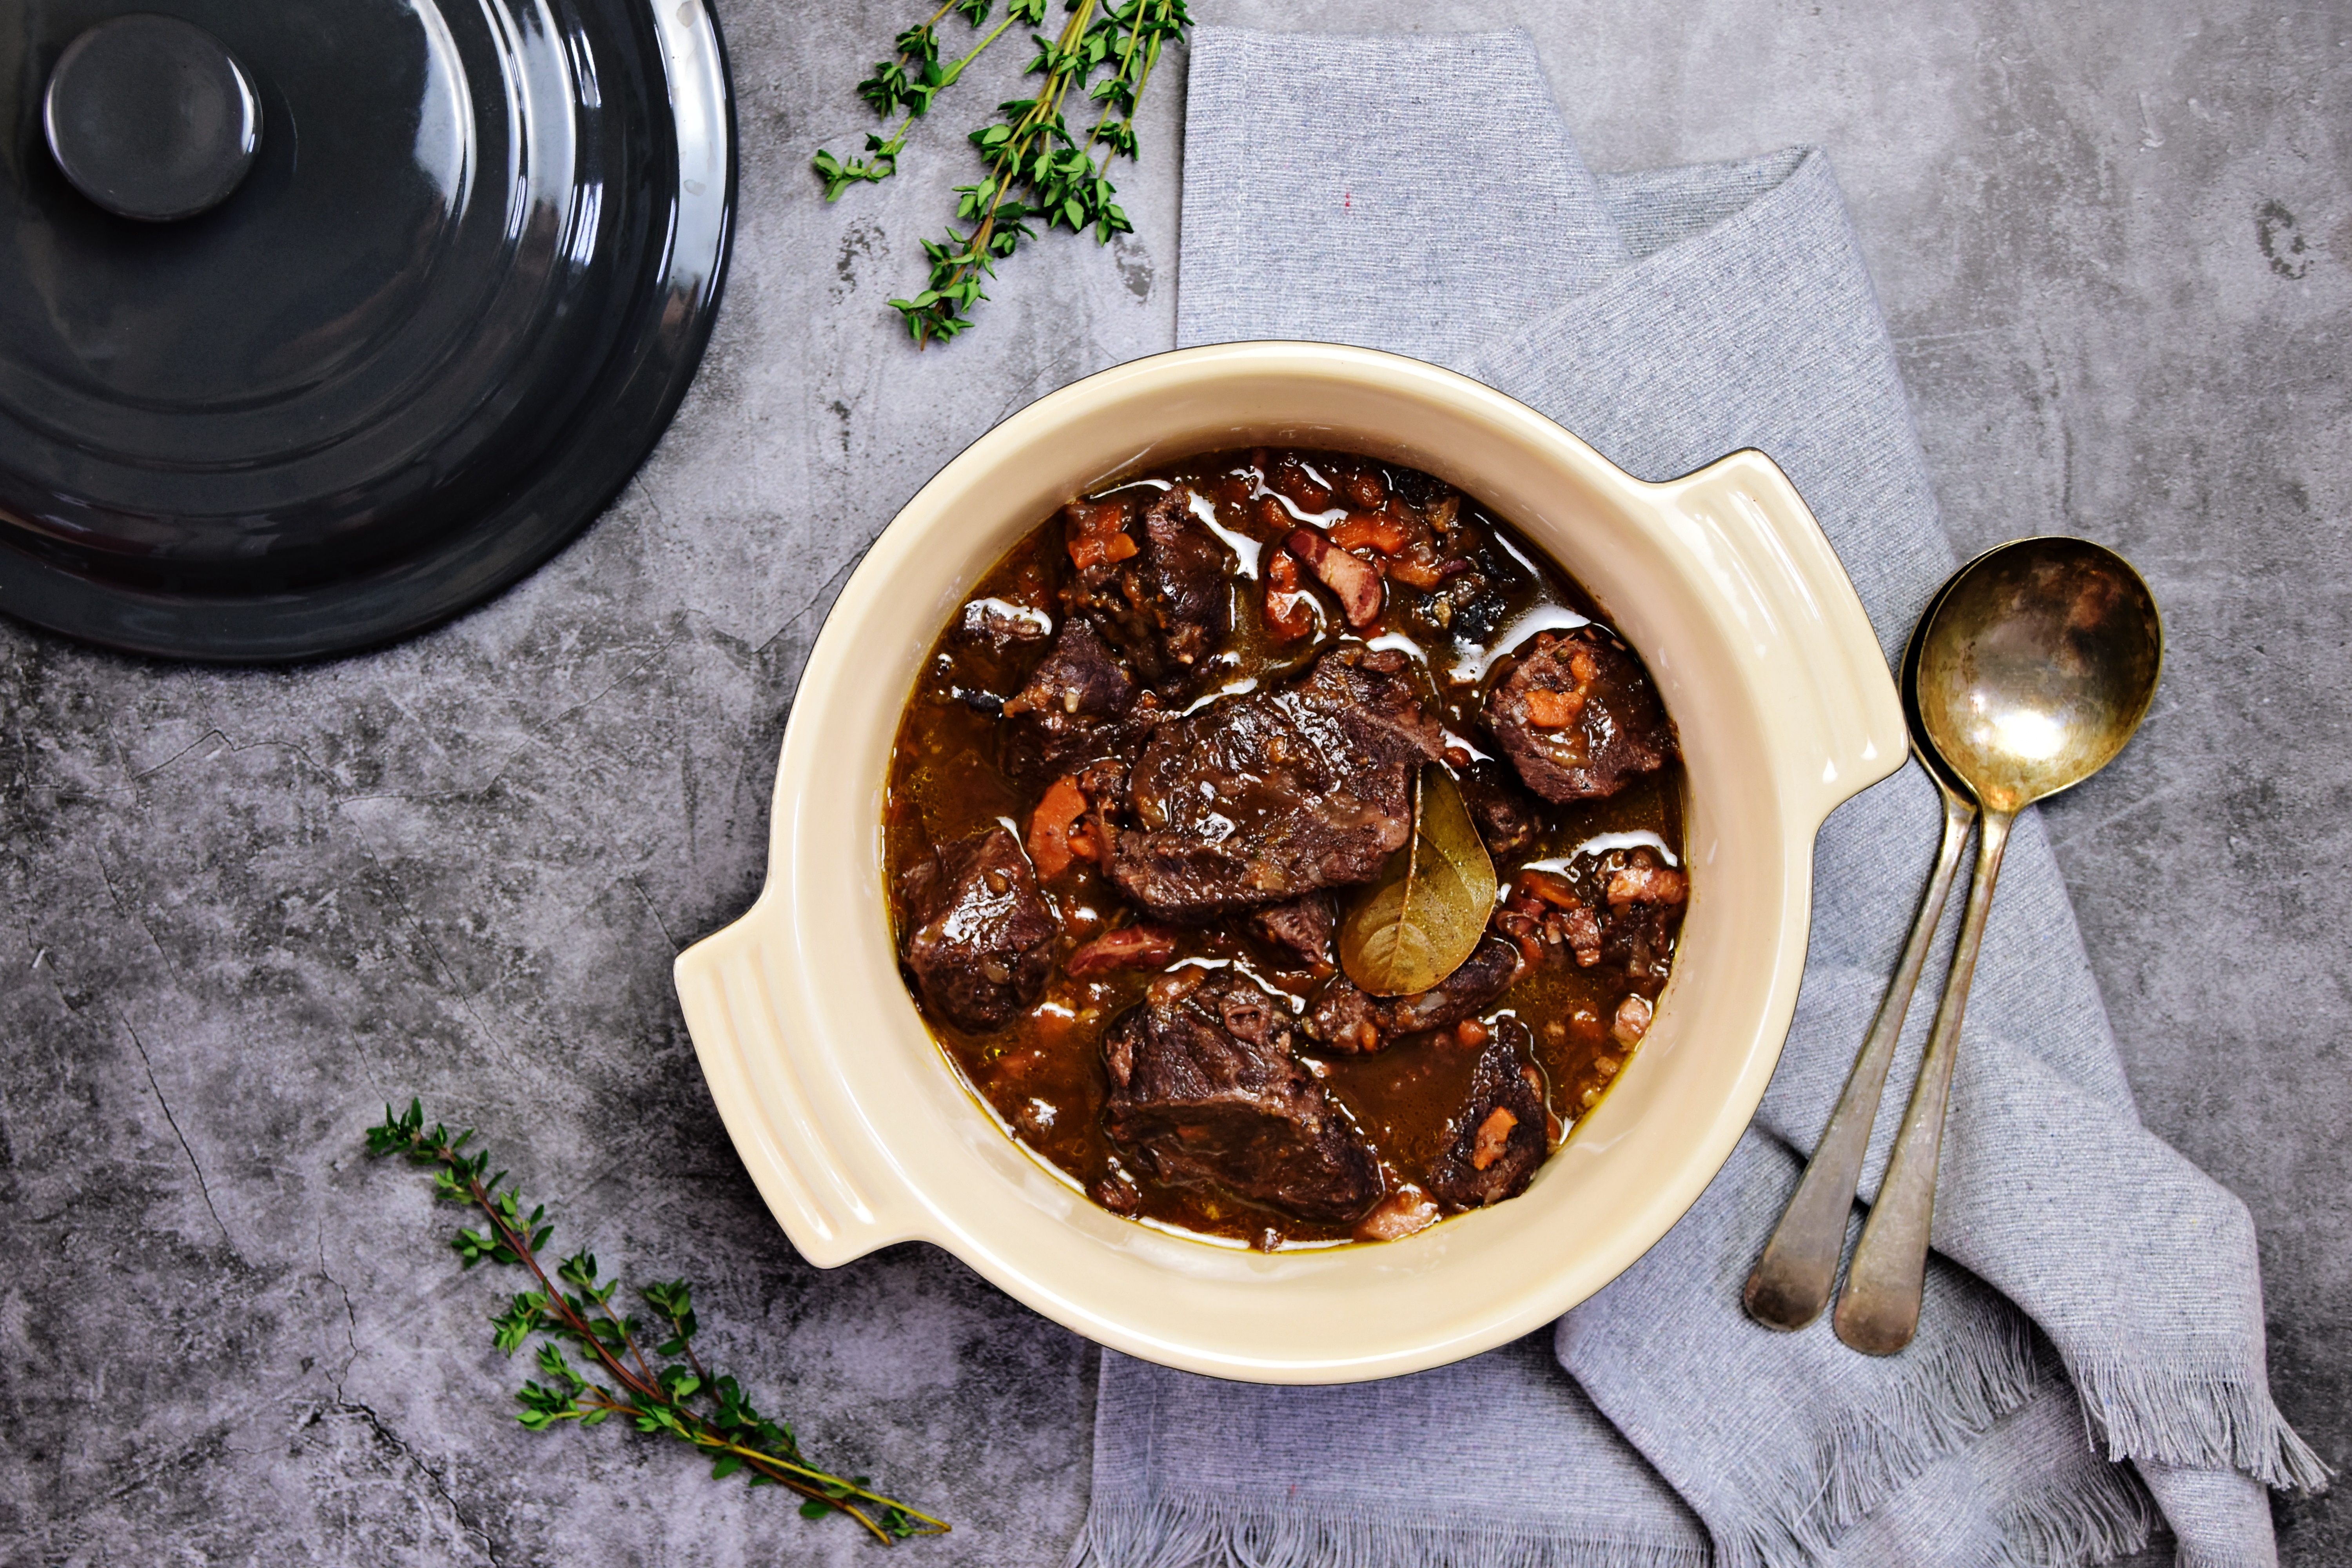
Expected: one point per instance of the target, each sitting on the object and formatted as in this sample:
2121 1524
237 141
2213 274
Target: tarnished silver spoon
1792 1280
2035 668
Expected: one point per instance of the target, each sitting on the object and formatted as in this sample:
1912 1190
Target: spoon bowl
2035 665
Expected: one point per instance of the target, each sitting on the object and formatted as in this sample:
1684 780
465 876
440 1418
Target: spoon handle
1792 1280
1879 1311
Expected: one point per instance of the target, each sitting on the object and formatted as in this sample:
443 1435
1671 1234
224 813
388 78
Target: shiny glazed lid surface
437 319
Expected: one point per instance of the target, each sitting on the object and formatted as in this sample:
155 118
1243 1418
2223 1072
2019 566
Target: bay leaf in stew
1425 914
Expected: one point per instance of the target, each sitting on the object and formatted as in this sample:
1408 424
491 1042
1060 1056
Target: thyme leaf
678 1398
1037 169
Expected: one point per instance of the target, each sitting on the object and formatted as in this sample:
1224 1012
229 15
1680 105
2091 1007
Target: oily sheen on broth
1156 769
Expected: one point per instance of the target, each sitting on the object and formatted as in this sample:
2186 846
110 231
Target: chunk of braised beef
1206 1090
1640 911
1300 930
1423 491
1473 608
1080 681
1620 911
1508 818
979 938
1500 1136
1578 717
1259 799
1162 601
1345 1019
1078 704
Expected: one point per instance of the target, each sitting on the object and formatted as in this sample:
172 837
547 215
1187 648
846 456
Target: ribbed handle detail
1834 714
727 988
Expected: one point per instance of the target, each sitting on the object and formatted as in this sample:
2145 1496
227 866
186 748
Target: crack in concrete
531 737
294 1387
390 694
123 907
644 493
637 882
826 595
2066 834
157 1090
210 734
228 744
351 1317
384 1430
534 737
449 971
450 976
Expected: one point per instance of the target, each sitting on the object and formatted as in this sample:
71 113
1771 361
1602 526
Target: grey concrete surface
244 908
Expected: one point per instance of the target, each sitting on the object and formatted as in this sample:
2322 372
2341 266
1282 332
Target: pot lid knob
151 117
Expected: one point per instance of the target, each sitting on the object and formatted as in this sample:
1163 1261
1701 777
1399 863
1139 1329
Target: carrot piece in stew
1055 837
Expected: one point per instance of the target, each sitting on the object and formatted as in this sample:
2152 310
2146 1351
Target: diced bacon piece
1418 566
1632 1020
1130 947
1356 580
1055 837
1580 928
1401 1214
1643 881
1289 607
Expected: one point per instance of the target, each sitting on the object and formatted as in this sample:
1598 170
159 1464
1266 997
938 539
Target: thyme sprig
909 80
1036 167
679 1397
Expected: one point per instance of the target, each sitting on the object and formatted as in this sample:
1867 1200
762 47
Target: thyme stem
655 1401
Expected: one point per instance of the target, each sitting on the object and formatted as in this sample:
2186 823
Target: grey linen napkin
2093 1335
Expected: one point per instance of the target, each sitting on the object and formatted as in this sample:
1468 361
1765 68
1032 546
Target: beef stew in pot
1284 849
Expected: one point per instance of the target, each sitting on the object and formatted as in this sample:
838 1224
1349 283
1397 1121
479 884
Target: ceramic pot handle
1835 718
730 986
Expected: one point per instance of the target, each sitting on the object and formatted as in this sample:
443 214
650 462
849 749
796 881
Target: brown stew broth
1043 1074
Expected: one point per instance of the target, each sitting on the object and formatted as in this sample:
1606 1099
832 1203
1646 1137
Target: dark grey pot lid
320 322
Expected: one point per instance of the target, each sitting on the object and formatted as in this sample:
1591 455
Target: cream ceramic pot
858 1132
